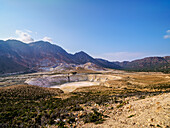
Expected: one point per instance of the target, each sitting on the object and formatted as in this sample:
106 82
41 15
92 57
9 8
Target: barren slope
145 113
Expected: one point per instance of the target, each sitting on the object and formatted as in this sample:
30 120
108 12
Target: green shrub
94 117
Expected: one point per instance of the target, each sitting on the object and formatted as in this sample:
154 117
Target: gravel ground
152 112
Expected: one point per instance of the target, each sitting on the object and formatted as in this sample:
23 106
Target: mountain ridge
32 56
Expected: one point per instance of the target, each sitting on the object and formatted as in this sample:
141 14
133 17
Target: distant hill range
16 56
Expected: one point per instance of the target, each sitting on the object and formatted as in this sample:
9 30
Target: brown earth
145 113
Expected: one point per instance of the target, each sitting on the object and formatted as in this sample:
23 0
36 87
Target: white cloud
9 38
122 56
48 39
29 31
168 34
168 31
23 36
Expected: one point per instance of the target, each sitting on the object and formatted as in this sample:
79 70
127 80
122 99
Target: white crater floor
69 87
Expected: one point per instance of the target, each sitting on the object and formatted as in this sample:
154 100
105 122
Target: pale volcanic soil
69 87
151 112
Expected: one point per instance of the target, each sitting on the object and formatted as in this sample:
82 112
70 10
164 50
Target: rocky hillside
16 56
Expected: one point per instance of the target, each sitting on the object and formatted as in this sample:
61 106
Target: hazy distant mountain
147 64
83 58
112 65
16 56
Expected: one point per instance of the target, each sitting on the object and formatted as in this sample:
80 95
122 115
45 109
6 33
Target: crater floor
69 87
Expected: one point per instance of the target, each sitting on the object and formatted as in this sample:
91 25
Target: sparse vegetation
160 86
95 117
36 106
33 106
131 115
120 105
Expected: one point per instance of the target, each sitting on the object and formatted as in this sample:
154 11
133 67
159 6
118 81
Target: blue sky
109 29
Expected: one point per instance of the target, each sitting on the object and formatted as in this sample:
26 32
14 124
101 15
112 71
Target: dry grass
150 79
27 105
132 83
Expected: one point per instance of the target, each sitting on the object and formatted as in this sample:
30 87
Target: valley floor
113 99
70 87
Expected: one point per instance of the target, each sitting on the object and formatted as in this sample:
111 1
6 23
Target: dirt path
152 112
